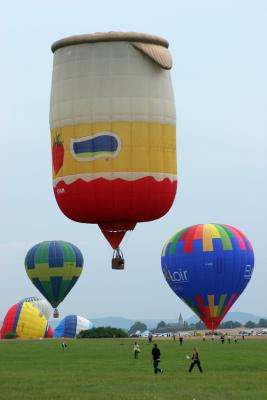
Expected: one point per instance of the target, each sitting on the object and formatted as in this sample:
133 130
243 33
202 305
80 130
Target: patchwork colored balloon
72 325
112 122
26 321
208 266
54 268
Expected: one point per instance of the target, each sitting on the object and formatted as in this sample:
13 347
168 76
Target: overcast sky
220 85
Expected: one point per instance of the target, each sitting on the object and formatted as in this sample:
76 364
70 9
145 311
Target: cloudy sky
220 85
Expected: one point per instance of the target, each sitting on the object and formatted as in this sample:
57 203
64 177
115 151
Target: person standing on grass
195 360
136 350
156 359
63 346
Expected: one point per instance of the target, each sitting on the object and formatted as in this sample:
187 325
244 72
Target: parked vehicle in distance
136 334
247 332
146 333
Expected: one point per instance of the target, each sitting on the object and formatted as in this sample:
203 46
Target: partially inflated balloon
25 320
54 268
208 266
72 325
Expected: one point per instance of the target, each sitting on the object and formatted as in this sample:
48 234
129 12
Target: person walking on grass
136 350
195 360
156 359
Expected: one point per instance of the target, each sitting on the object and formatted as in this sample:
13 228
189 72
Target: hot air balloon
72 325
25 320
112 122
208 266
54 267
41 304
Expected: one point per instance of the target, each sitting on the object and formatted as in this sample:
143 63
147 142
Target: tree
161 325
262 323
137 326
250 324
236 324
230 325
199 326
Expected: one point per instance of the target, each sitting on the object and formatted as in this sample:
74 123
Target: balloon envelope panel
208 266
24 319
41 304
71 325
54 267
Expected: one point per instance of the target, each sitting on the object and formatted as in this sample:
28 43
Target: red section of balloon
115 205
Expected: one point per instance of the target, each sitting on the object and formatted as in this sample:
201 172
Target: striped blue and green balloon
54 267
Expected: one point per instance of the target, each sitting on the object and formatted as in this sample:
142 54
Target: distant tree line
102 332
168 328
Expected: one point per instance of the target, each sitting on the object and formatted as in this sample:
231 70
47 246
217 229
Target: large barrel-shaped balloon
112 120
208 266
72 325
25 320
54 267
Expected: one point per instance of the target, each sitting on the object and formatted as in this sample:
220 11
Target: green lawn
105 369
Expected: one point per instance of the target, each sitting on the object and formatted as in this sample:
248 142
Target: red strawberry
57 153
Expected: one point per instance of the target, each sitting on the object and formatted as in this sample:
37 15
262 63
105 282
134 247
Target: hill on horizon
236 316
125 323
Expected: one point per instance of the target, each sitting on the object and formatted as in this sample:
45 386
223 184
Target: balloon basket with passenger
117 261
114 233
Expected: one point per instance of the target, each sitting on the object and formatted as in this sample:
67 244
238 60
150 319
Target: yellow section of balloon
144 147
31 325
43 272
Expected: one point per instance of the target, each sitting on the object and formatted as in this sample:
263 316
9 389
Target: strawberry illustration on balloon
57 153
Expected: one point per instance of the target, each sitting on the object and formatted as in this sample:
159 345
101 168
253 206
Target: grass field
105 369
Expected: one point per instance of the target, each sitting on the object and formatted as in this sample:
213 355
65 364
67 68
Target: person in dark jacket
195 360
156 359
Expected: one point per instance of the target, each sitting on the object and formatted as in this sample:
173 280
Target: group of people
156 358
229 338
223 337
